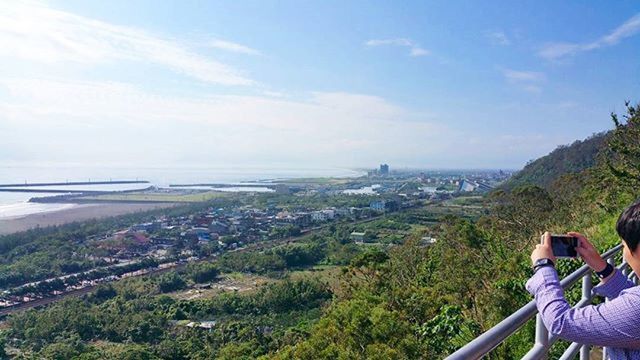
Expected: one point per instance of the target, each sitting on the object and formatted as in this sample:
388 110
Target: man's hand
588 253
543 251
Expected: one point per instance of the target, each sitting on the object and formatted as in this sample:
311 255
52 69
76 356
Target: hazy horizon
327 84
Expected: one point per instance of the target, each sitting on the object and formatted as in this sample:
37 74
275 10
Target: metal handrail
495 336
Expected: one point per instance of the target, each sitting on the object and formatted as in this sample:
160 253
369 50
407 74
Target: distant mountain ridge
578 156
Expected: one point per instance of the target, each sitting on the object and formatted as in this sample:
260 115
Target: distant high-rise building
384 169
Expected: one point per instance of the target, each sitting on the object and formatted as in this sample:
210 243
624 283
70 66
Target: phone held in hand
564 246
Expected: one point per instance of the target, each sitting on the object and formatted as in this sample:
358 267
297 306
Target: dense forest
401 301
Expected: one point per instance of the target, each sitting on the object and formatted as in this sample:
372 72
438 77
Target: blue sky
445 84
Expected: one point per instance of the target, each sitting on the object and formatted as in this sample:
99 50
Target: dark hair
628 225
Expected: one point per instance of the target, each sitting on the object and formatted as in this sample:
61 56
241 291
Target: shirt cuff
543 276
613 286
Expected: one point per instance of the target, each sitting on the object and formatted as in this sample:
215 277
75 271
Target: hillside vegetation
424 303
565 159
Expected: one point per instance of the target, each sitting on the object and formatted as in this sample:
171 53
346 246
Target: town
288 210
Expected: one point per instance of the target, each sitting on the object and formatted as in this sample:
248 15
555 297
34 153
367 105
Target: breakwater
115 182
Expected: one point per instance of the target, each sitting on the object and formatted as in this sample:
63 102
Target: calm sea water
16 204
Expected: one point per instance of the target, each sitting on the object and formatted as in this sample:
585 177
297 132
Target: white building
358 237
323 215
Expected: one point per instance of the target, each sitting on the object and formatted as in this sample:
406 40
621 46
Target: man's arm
611 324
611 287
614 283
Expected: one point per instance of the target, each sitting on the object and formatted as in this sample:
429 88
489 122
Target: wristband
606 272
540 263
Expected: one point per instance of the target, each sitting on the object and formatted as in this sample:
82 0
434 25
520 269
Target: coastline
72 211
79 212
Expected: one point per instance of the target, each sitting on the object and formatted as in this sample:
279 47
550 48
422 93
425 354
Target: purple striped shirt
614 324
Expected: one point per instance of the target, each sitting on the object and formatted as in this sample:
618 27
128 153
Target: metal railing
483 344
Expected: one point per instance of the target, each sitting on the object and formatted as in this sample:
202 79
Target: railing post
483 344
586 295
542 336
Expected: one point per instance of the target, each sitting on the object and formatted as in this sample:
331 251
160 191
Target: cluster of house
223 228
226 228
305 219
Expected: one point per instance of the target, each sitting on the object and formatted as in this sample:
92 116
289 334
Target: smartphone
564 246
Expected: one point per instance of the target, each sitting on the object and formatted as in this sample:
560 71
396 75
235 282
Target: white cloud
52 121
233 47
414 49
522 76
526 80
498 38
418 51
35 32
275 94
102 121
554 51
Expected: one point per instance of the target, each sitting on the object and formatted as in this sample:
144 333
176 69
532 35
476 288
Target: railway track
263 245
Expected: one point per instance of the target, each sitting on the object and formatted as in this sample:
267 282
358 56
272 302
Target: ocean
17 205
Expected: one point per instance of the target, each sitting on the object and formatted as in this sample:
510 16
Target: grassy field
233 282
242 282
158 197
466 209
329 274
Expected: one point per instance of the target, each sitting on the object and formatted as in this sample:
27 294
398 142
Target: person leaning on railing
614 324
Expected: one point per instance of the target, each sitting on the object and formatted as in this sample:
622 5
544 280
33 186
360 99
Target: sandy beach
77 213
